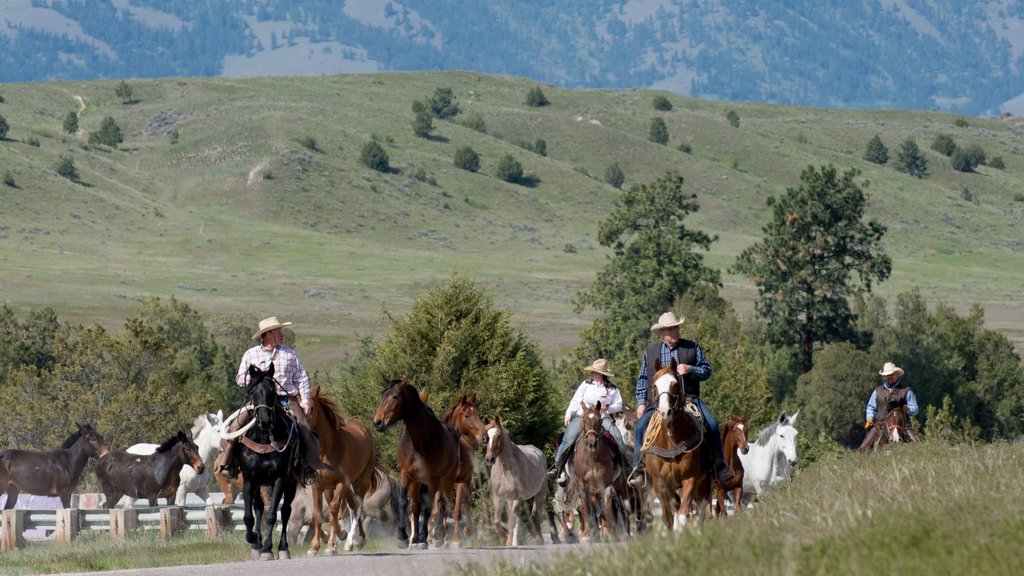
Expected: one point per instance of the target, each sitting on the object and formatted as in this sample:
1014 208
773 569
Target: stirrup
637 477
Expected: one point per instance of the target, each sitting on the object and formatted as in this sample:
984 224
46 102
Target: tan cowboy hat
600 366
667 320
890 368
268 324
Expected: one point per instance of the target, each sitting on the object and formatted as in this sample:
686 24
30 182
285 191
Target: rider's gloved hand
869 423
906 408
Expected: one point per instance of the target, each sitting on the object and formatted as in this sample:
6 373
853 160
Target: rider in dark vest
891 392
694 367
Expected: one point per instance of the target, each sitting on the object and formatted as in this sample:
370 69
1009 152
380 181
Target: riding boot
223 465
558 465
723 472
638 477
311 455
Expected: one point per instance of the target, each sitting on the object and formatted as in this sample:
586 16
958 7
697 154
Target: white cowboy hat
600 366
667 320
268 324
890 368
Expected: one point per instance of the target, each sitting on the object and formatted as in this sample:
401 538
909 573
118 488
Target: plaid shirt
700 371
289 373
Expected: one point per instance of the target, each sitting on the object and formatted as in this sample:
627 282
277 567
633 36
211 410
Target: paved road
433 562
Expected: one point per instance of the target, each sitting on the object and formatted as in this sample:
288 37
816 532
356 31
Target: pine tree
876 151
71 122
909 159
658 132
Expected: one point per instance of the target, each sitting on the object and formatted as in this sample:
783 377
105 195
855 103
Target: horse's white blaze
663 385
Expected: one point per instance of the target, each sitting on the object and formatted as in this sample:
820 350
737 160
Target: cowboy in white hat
693 368
292 383
892 390
595 388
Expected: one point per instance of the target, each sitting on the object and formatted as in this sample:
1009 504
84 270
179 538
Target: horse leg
12 497
496 507
416 506
286 514
267 552
315 527
402 519
334 507
251 516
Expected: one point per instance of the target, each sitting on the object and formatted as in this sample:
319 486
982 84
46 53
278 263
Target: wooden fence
67 524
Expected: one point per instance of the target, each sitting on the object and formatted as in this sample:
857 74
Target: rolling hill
239 214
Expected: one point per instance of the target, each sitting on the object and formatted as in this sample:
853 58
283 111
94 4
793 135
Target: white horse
771 457
206 434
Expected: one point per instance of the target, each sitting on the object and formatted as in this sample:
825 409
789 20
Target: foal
121 473
734 443
53 473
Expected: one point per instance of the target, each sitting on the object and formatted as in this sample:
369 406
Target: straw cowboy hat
268 324
667 320
600 366
890 368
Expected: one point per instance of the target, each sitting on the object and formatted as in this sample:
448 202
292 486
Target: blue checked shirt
700 371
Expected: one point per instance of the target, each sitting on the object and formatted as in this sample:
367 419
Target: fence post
122 522
14 529
68 525
172 521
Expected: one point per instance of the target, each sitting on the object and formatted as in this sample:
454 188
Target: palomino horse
891 430
464 417
772 456
674 456
150 477
594 466
734 443
518 475
206 435
53 473
347 445
428 456
269 456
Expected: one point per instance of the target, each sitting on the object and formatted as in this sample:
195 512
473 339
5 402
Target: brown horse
464 417
734 443
121 473
347 445
674 456
428 457
893 429
53 473
594 465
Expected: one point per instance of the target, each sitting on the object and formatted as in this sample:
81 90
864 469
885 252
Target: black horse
121 473
53 473
269 457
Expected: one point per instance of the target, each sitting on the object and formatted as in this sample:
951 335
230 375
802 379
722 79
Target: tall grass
924 509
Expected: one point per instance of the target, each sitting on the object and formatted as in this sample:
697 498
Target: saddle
277 445
686 445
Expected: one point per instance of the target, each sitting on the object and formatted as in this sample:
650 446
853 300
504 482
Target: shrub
374 157
307 142
71 122
124 91
4 128
422 175
960 122
967 195
540 146
33 141
1018 196
442 104
684 147
423 122
658 132
662 103
175 135
467 159
967 159
876 151
474 121
733 118
109 133
976 153
569 248
536 98
944 144
910 160
66 168
9 179
997 163
614 175
509 169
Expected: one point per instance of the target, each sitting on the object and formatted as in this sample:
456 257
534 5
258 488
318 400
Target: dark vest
685 353
885 396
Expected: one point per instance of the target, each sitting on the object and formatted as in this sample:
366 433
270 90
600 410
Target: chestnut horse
428 457
594 465
674 455
148 477
53 473
464 417
734 443
347 445
891 430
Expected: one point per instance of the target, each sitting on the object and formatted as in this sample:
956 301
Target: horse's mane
198 425
393 383
332 413
168 444
765 435
451 411
71 440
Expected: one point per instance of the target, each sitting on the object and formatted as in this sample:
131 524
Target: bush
474 121
9 179
540 146
66 168
997 163
442 104
967 159
569 248
876 151
960 122
467 159
109 134
4 128
307 142
662 103
509 169
124 91
422 175
614 175
658 132
71 122
685 148
910 160
33 141
967 195
944 144
374 157
536 98
175 135
733 118
423 122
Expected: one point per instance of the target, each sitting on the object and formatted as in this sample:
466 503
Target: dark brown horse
347 445
53 473
893 429
674 455
428 457
734 443
594 465
464 417
146 477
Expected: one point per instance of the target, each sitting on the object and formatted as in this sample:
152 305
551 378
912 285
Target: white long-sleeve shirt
590 393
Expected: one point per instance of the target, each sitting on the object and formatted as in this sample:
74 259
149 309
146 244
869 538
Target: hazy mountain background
955 55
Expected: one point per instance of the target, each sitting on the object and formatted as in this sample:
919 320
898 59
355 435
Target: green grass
328 243
925 509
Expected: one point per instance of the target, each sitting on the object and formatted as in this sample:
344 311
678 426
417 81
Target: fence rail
65 525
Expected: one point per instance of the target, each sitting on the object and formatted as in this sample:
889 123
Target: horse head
895 423
785 434
393 399
188 450
95 445
736 432
263 395
464 416
496 439
666 385
590 427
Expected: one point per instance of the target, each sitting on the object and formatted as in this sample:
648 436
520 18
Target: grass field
237 217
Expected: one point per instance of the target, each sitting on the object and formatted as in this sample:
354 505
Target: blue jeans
710 425
572 432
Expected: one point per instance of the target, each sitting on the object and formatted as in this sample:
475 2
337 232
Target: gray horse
518 475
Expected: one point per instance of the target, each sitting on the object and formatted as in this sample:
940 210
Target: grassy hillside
238 217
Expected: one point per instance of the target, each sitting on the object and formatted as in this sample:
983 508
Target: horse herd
430 501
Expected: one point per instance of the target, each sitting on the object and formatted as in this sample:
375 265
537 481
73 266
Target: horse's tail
394 496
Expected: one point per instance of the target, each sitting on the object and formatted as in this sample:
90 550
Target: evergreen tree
442 104
109 133
509 169
71 122
374 157
124 91
662 104
423 122
815 241
876 151
467 159
909 159
944 144
66 167
536 98
733 118
4 128
658 132
614 175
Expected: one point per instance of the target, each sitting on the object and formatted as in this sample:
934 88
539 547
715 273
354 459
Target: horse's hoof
254 555
312 553
266 556
331 552
418 546
347 547
455 545
284 555
403 544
